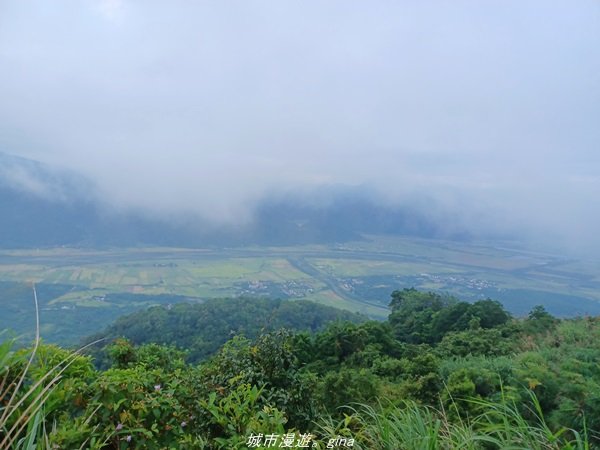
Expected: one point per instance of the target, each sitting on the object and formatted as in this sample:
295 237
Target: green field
82 290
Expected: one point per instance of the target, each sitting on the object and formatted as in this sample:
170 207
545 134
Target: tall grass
24 401
510 430
415 427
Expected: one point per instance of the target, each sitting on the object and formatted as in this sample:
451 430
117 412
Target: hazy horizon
488 110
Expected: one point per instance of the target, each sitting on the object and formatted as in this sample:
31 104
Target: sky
489 109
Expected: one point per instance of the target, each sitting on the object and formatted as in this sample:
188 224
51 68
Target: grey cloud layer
205 106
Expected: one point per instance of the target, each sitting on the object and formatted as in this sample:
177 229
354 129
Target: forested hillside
439 373
201 328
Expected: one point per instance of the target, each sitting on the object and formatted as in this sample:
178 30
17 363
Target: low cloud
483 110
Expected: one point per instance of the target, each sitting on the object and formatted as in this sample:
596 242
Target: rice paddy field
82 290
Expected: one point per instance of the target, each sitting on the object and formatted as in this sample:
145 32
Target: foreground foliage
453 375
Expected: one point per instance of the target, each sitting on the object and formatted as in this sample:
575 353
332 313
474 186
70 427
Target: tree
413 312
539 320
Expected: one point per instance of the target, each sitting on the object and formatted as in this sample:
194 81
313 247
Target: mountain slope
44 206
